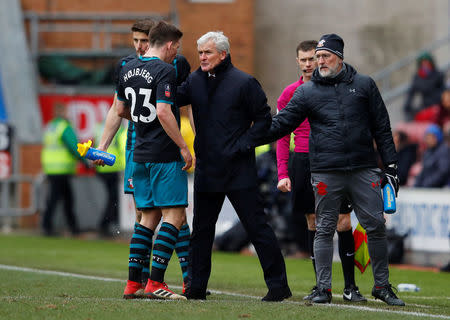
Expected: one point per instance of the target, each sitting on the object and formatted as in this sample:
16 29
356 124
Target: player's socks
347 255
140 243
311 235
162 250
145 270
182 249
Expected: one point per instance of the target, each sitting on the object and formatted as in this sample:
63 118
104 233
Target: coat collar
220 68
346 75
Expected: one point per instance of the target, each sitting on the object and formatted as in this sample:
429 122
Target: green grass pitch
32 288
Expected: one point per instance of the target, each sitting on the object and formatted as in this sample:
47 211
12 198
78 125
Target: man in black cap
346 113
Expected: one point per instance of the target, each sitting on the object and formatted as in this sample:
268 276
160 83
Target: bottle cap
83 147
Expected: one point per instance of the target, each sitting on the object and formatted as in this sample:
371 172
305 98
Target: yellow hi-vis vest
117 148
55 157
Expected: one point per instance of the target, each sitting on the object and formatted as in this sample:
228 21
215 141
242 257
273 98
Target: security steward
59 159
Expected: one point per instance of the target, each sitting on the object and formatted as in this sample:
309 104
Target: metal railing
402 89
383 77
12 195
102 27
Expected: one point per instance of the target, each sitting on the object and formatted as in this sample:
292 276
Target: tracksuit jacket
346 113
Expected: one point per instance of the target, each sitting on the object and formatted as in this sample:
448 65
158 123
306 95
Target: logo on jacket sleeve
322 188
167 91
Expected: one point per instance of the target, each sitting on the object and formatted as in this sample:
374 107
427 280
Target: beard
331 72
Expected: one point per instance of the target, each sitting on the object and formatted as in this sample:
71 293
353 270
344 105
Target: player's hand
284 185
99 162
187 157
391 177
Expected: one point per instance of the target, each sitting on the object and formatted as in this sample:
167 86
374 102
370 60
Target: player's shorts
128 186
302 191
160 185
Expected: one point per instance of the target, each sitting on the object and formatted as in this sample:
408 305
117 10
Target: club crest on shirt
167 91
130 183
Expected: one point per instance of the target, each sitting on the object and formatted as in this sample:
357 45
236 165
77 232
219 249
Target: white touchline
342 306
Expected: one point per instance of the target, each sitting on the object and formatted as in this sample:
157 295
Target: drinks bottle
85 150
407 287
389 199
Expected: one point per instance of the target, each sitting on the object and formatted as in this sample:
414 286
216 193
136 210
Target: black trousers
60 188
111 212
246 202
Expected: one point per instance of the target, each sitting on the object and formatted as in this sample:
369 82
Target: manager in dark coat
229 108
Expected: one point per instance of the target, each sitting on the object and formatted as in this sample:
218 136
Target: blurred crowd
423 141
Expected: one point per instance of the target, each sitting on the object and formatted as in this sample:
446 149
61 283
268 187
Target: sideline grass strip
40 293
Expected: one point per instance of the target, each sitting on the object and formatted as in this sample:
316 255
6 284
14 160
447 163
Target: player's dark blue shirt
131 133
182 70
144 82
122 61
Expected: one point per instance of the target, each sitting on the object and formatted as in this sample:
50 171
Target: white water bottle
407 287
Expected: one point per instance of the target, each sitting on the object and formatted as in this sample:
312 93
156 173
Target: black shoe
322 296
277 294
314 292
195 294
352 294
195 297
387 295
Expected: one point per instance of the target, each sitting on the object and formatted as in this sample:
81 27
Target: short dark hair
306 46
144 26
164 32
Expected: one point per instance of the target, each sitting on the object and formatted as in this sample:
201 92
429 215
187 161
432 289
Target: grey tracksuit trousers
363 189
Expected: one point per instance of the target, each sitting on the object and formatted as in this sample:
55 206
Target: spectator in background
406 153
436 162
428 83
447 142
438 113
110 175
59 158
443 118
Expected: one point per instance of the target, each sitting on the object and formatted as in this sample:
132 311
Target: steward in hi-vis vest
59 159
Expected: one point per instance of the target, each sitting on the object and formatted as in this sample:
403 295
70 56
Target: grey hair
219 39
